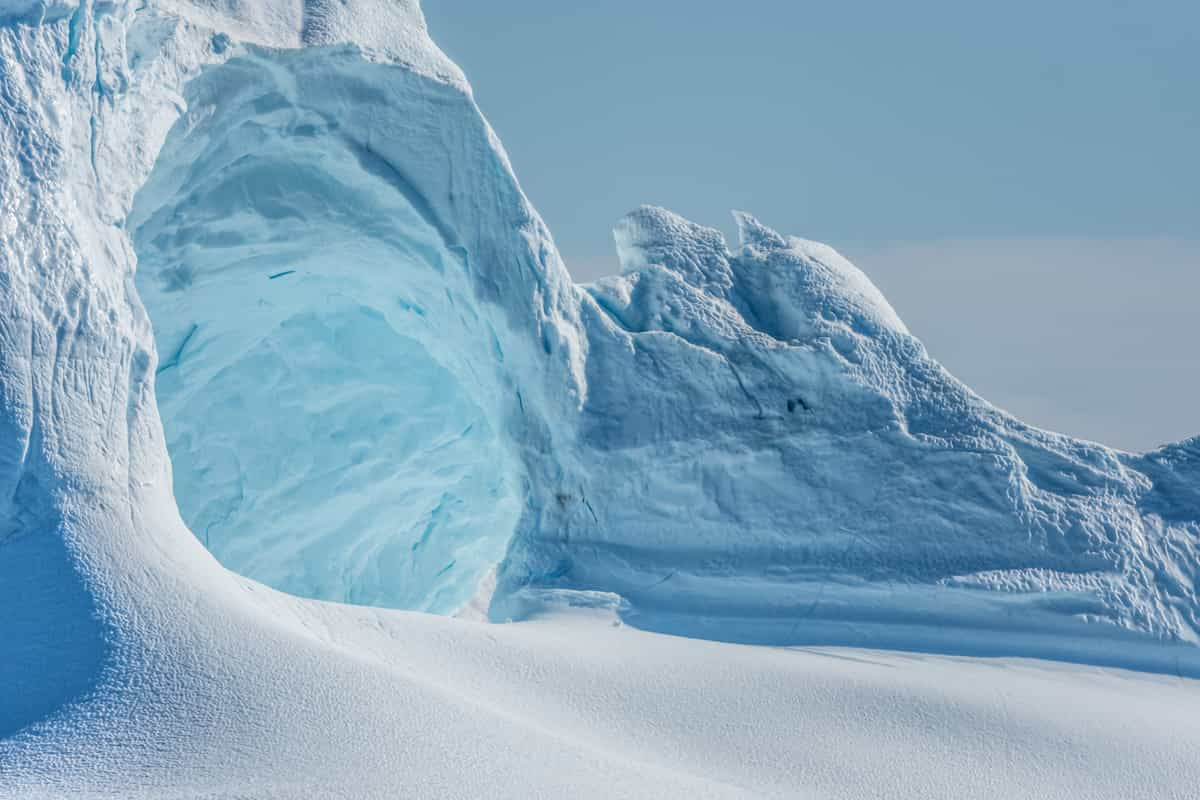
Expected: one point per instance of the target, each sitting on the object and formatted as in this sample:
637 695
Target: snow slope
372 703
278 242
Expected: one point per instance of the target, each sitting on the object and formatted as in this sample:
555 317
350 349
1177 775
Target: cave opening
328 381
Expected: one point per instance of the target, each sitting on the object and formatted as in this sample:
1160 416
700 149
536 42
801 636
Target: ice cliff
278 242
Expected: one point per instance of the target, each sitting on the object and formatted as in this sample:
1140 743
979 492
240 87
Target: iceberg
771 457
278 326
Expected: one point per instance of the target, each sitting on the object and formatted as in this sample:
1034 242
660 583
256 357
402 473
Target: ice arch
332 391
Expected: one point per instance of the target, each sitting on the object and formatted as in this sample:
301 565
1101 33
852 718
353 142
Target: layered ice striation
280 243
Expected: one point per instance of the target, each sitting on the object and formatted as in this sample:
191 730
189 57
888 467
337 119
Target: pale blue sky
1021 179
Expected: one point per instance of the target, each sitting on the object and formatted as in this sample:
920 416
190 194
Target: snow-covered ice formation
278 242
778 459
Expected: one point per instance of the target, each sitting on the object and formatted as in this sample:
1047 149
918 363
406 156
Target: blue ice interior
326 380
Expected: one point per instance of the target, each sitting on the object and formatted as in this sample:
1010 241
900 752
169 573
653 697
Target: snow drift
279 242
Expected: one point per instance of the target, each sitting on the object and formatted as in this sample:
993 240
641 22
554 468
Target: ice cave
331 390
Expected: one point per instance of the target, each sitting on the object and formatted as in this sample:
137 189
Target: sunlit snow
278 327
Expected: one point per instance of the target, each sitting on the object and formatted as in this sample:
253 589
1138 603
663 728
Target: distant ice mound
377 384
768 455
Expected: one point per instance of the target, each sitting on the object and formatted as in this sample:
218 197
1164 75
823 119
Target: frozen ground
274 312
330 701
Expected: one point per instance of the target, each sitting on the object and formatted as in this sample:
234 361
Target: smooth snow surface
269 287
336 702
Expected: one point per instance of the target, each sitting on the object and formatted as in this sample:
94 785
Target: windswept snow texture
280 240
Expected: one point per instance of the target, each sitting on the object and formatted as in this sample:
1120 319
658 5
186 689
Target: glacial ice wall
358 326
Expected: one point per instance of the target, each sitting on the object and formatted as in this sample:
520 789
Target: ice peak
653 236
752 233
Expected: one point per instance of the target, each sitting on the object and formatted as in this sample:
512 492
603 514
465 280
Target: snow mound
279 243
